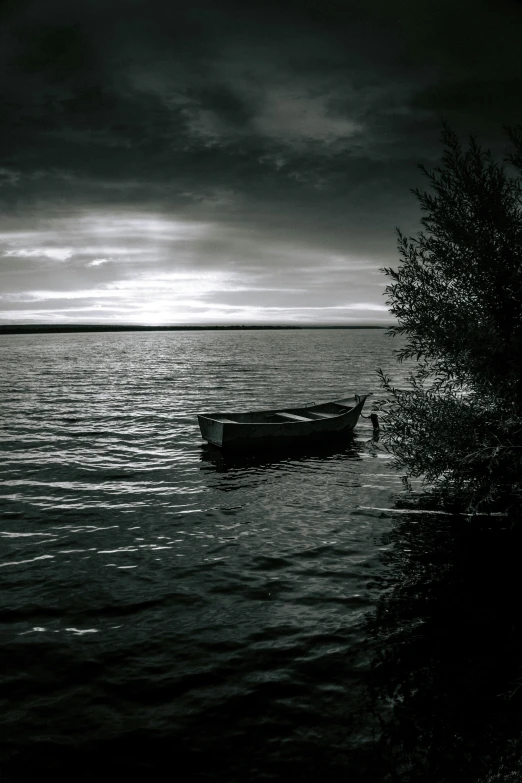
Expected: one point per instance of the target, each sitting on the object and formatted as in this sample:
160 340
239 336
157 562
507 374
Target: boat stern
211 430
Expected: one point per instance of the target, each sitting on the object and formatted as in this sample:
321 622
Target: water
168 605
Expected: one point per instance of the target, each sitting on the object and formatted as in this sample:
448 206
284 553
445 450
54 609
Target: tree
457 298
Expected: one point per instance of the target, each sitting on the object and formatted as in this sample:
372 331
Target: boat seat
292 416
317 415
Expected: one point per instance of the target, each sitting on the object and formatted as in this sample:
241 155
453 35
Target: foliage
457 298
447 648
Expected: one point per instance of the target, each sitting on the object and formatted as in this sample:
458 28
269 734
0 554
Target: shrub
457 298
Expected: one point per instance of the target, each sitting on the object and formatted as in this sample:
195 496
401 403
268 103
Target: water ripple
157 584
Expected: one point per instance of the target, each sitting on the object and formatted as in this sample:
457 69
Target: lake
228 618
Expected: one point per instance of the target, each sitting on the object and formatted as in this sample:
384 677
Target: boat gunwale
359 401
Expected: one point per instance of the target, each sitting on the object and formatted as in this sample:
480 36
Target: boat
282 427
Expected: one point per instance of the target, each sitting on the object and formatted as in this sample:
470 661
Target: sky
227 162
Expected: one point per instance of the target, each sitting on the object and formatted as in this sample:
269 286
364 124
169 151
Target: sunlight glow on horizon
135 267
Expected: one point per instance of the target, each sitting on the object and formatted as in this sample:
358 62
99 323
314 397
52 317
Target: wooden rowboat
282 427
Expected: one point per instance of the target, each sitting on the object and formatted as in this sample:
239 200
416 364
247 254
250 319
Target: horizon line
46 327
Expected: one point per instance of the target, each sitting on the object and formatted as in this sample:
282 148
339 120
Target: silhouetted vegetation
446 681
457 297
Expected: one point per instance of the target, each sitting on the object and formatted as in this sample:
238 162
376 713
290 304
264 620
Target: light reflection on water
179 590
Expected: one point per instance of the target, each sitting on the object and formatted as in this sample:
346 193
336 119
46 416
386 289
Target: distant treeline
53 328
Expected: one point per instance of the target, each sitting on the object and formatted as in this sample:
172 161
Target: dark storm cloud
286 129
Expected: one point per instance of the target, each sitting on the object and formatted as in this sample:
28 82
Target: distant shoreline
70 328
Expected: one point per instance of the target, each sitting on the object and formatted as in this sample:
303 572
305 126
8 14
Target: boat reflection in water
224 459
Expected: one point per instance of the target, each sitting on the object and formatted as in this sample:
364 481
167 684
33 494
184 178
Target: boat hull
267 435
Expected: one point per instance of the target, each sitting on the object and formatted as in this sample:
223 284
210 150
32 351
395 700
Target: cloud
176 270
255 141
56 253
293 115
